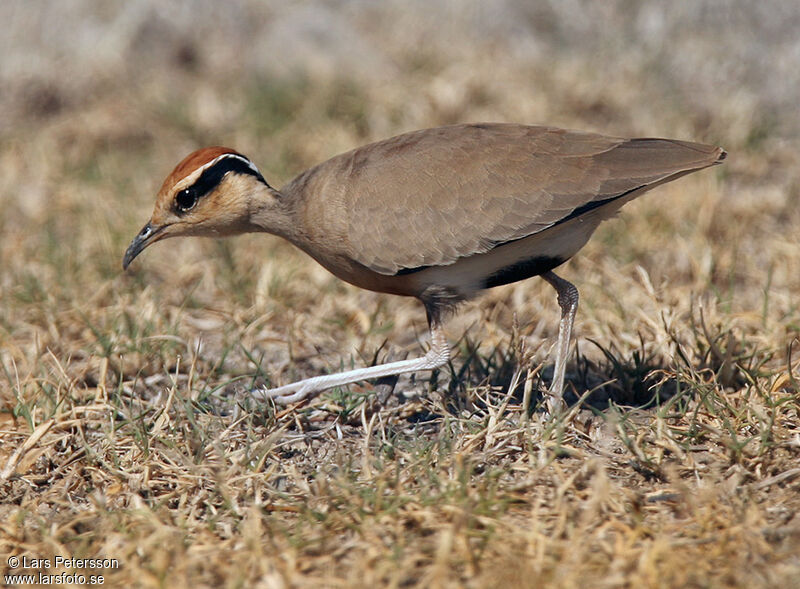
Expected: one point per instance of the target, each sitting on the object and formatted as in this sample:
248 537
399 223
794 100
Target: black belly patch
522 270
404 271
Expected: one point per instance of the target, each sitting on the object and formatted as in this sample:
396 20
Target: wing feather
430 197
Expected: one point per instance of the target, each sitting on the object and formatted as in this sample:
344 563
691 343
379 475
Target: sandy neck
273 212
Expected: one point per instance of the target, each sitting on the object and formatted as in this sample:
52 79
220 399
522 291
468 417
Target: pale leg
438 355
568 301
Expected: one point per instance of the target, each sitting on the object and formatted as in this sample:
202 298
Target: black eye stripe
213 175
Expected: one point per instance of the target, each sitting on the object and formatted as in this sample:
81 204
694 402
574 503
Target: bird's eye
185 200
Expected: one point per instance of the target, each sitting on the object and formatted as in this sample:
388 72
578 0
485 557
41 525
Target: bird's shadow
635 379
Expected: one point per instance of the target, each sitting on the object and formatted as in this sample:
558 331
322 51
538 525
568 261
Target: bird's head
212 192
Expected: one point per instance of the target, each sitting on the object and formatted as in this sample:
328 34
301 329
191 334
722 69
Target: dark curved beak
146 236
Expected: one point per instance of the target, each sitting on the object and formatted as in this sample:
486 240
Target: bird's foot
555 404
290 393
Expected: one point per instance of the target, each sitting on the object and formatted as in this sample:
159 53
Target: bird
438 214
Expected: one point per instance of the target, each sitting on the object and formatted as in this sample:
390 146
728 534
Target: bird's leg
568 301
438 354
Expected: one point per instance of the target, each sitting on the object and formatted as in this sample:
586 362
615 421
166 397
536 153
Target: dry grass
124 430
